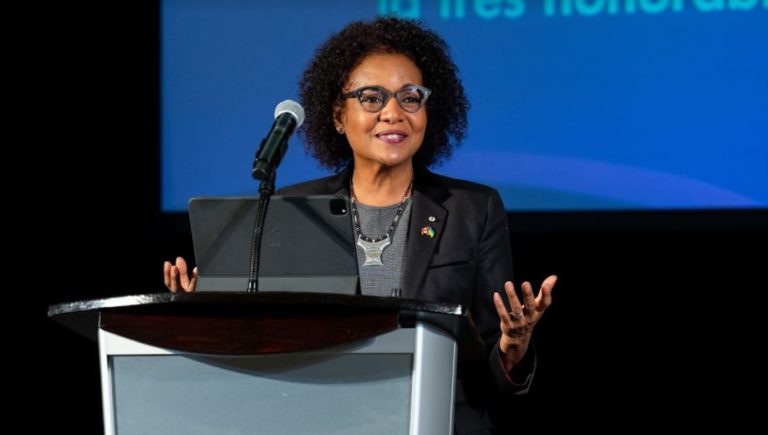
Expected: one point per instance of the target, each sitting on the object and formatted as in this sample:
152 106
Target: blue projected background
576 104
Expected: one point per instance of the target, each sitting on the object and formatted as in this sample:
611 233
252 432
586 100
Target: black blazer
468 259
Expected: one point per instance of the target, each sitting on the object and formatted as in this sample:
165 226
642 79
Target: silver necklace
373 247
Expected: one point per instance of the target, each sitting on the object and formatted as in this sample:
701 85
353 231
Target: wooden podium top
240 323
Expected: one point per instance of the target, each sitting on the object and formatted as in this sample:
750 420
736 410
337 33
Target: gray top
383 280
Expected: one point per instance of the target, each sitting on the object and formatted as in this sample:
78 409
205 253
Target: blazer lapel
427 213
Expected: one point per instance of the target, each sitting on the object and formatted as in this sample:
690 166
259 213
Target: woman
383 103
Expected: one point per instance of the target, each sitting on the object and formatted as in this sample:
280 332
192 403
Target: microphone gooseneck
289 115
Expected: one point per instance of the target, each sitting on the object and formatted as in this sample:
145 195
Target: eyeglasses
374 98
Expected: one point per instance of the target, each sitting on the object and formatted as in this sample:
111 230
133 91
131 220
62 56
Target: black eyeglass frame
387 94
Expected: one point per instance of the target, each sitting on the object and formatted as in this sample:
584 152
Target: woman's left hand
518 323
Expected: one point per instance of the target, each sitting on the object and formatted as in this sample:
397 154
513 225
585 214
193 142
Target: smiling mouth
392 137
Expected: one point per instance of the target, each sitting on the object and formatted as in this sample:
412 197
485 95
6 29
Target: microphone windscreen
292 107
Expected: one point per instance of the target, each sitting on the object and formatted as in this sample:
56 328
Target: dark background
656 315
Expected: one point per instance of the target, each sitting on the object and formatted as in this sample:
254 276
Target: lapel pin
428 231
432 219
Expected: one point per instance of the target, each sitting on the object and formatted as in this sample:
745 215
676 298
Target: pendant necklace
373 247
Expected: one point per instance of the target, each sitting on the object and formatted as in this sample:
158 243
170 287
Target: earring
340 129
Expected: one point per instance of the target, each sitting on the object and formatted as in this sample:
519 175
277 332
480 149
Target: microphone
289 115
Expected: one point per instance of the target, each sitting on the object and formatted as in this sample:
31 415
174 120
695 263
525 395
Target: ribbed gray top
383 280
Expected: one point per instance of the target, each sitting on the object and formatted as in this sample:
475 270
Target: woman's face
390 137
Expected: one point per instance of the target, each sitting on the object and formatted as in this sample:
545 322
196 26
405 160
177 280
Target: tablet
308 244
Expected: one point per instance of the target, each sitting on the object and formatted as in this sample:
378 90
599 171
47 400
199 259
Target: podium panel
378 386
262 395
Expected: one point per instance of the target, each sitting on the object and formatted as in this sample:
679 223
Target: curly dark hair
323 80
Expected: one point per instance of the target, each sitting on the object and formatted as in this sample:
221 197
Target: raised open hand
517 323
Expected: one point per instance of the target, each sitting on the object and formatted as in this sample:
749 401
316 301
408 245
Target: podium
274 363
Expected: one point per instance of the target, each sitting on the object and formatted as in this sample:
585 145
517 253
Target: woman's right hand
176 277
